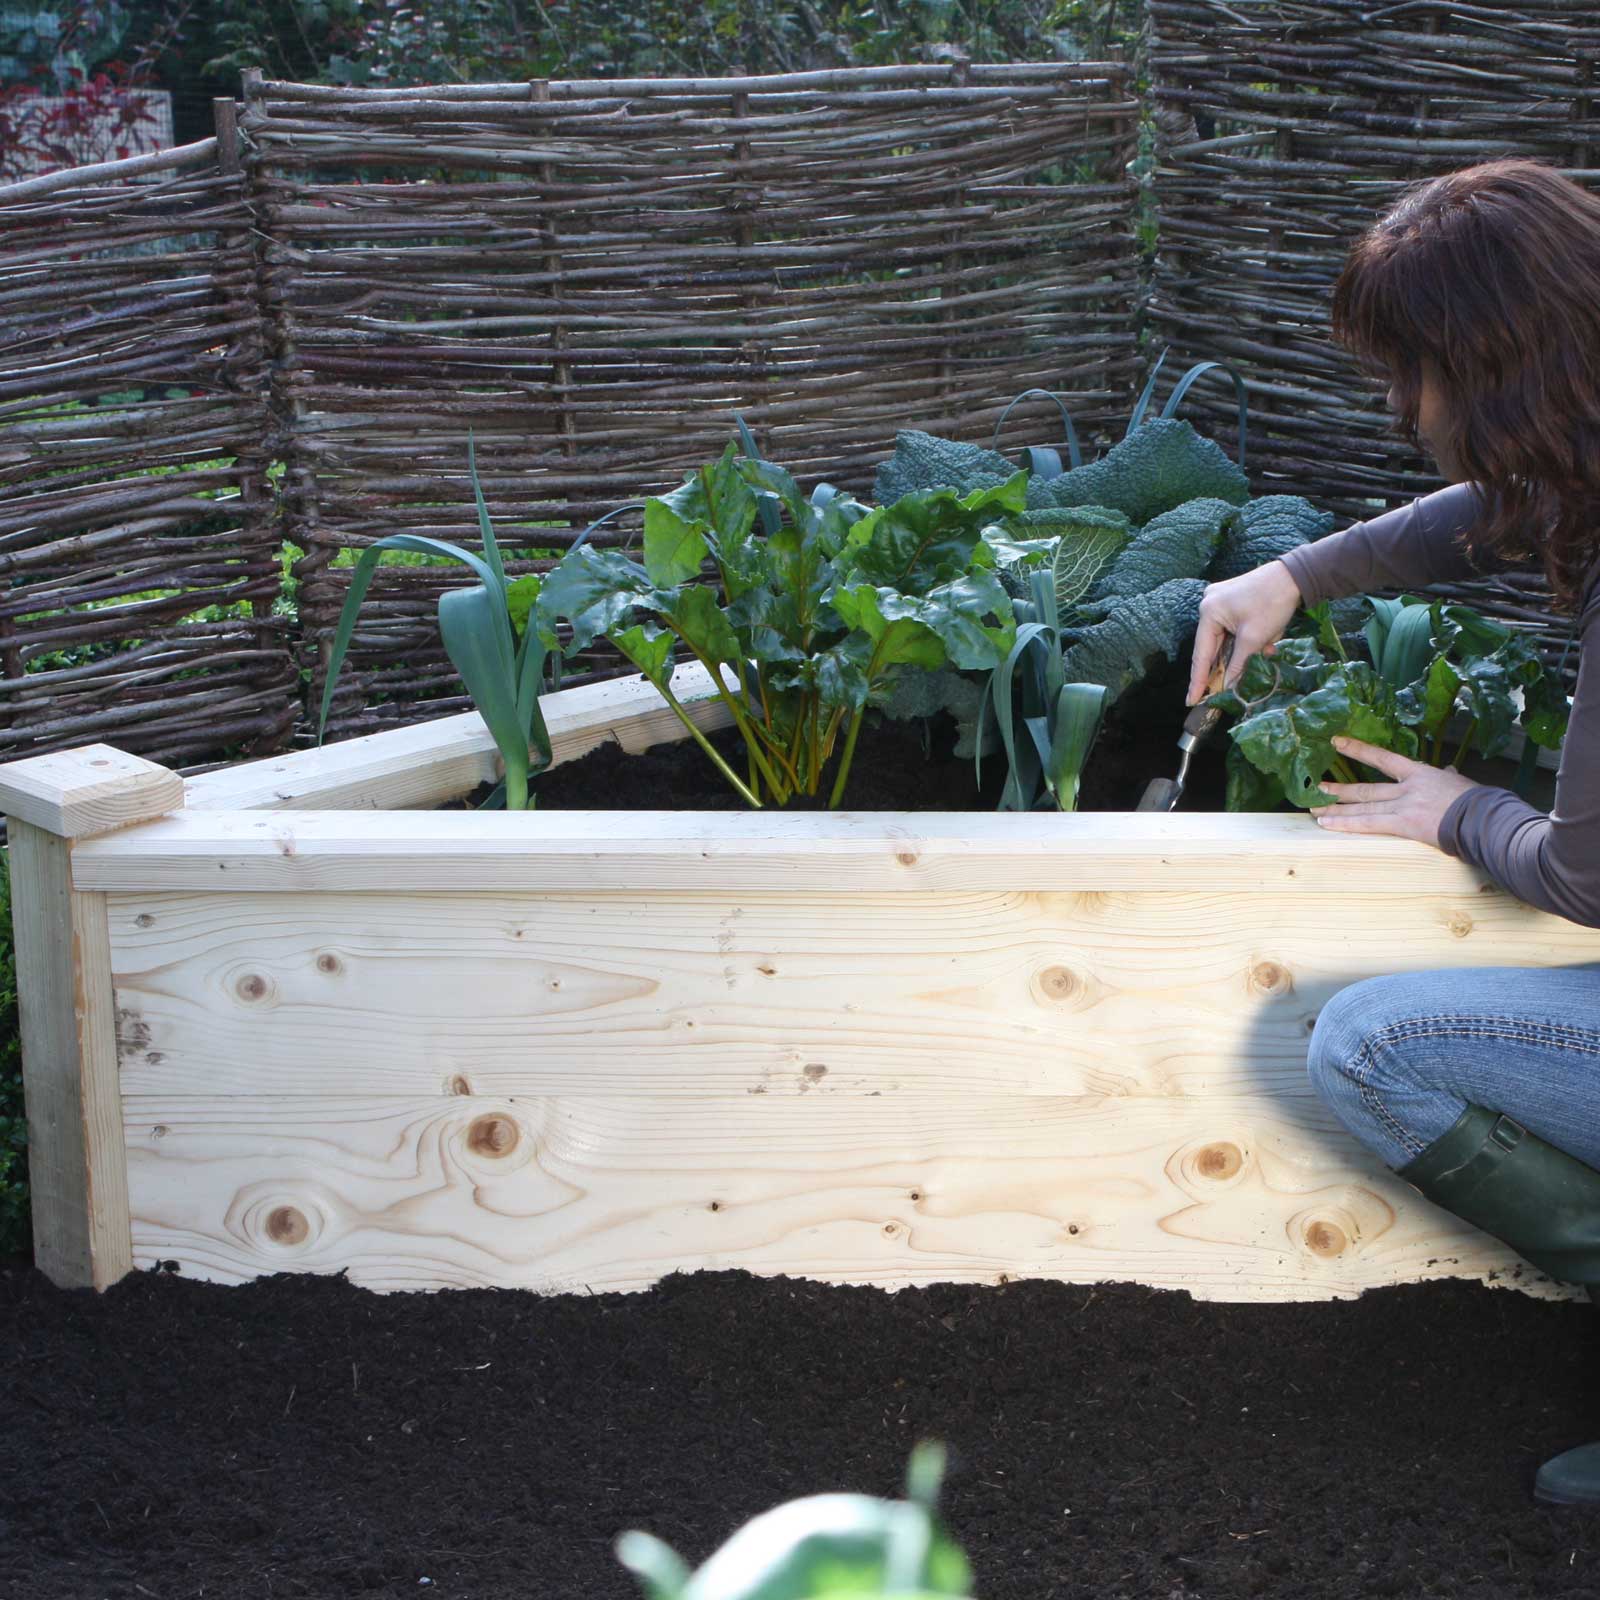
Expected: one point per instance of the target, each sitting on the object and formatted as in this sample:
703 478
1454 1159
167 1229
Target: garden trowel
1161 794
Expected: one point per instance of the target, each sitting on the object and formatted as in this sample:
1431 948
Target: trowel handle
1203 719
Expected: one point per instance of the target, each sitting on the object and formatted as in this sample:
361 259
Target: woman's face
1433 421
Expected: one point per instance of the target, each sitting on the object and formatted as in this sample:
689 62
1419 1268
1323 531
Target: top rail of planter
335 819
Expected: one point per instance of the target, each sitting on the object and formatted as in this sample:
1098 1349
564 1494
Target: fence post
77 1164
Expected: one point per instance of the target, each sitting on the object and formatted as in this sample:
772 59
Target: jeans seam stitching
1407 1140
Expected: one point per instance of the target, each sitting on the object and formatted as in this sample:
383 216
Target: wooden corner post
76 1163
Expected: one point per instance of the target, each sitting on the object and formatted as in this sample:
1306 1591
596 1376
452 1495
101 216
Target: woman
1479 297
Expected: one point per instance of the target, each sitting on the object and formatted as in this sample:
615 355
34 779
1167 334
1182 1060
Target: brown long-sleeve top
1552 862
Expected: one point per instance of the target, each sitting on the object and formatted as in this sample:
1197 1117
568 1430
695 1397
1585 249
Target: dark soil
908 766
300 1437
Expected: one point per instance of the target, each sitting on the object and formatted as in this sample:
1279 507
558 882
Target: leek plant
1047 726
492 636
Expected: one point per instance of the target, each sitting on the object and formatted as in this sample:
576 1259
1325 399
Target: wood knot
906 858
144 920
1459 924
1219 1161
252 986
1270 977
1326 1239
492 1136
459 1084
287 1225
814 1071
1074 1229
1058 982
766 969
328 962
891 1228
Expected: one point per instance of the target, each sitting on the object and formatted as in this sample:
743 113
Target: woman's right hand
1254 608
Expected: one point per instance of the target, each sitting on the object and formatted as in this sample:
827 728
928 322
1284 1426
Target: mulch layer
909 766
302 1437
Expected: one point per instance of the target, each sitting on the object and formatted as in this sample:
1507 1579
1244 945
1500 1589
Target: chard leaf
1486 687
705 629
1545 710
1439 692
841 678
594 590
1116 651
926 538
767 476
1157 468
718 497
649 648
1266 529
673 547
1294 743
956 613
1250 789
922 461
891 621
1177 544
1466 635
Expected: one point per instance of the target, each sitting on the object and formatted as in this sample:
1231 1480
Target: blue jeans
1399 1058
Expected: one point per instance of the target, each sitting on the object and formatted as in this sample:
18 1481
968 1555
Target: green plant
818 604
492 640
825 1545
14 1218
1046 725
1429 660
1140 531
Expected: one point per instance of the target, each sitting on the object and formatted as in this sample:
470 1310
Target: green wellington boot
1490 1171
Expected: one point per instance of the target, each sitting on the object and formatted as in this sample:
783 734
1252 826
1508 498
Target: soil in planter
894 771
301 1437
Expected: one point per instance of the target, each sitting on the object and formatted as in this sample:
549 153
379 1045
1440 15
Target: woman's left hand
1412 807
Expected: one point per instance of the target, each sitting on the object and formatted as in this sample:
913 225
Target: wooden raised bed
272 1022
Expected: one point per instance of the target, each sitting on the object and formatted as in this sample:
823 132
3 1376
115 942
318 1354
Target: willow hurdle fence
282 338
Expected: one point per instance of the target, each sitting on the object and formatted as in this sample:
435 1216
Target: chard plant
494 641
1428 661
825 1545
816 605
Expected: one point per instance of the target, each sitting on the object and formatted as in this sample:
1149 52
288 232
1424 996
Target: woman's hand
1255 608
1412 807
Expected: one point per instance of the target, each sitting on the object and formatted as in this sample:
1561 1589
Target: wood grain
1130 994
76 1165
76 793
450 756
1225 1198
752 852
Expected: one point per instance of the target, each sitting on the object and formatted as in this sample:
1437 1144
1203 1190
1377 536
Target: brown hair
1492 274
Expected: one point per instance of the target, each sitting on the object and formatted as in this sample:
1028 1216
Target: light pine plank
431 762
748 852
789 995
76 1164
1224 1198
76 793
